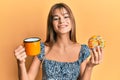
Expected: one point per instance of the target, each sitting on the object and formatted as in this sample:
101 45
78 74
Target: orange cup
32 46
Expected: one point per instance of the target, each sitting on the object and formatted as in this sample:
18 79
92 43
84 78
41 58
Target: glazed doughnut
96 41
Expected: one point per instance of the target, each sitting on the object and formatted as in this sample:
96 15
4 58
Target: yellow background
25 18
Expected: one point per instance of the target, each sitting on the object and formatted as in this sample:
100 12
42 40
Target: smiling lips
62 26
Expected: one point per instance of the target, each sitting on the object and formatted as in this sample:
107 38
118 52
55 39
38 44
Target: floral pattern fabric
54 70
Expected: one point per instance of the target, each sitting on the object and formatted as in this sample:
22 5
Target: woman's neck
63 40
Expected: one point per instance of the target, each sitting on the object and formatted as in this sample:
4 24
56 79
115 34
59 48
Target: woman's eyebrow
55 15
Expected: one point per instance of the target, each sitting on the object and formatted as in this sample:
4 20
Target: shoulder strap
84 52
44 56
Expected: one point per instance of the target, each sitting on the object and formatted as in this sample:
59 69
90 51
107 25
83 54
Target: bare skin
67 51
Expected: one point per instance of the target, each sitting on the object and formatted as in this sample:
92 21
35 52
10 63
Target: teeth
62 26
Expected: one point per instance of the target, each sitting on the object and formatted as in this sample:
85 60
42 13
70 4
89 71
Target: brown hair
51 34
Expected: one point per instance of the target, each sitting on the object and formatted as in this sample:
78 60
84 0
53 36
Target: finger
99 54
95 54
23 54
18 57
23 58
19 54
101 50
16 50
21 50
92 58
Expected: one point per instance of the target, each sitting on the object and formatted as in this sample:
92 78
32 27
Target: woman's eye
66 16
55 18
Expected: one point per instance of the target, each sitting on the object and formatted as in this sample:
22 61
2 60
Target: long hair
51 34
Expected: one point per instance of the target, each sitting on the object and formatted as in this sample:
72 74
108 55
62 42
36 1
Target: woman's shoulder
46 47
77 45
81 45
84 51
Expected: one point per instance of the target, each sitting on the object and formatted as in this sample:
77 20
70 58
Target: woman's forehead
60 11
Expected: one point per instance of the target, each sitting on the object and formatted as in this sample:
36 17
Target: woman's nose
62 20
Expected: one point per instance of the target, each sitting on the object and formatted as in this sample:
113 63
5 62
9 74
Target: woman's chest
64 56
61 69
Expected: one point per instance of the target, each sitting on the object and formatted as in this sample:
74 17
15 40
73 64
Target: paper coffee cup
32 46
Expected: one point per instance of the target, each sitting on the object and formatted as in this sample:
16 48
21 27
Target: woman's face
61 21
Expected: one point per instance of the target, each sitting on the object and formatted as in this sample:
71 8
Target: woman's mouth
62 26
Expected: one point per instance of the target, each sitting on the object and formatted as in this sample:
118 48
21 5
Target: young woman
61 56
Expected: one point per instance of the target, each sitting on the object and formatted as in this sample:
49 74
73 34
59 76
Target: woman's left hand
96 56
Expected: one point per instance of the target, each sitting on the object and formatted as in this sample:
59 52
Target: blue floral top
54 70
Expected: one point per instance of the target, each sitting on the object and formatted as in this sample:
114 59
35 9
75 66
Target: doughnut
96 41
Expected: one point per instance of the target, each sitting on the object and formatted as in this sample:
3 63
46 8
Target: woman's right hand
20 54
